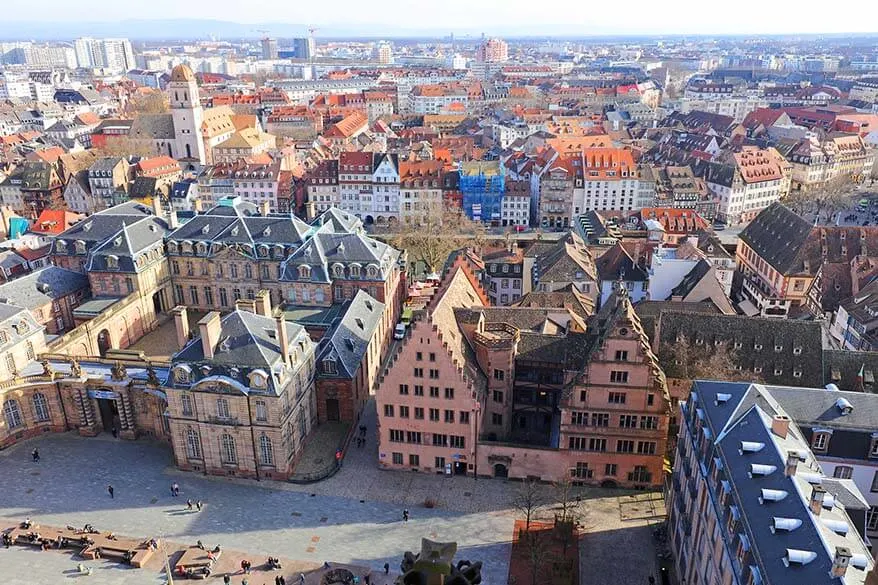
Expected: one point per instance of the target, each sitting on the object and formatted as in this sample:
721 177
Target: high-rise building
304 48
384 52
87 52
116 55
492 51
269 48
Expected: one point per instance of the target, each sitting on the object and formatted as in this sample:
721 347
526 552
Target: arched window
266 451
304 271
12 413
41 408
228 451
193 444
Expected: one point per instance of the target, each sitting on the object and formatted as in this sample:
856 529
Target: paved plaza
353 517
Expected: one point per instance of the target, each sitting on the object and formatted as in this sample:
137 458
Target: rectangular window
600 419
844 472
820 441
624 446
597 444
583 394
186 404
616 398
208 296
496 419
261 411
419 356
619 377
577 443
396 436
440 440
432 357
434 374
224 297
498 396
419 372
581 471
222 408
621 355
403 412
499 374
413 437
414 460
579 418
646 447
449 416
610 469
434 414
419 390
397 458
449 393
388 410
628 421
463 417
649 422
419 413
404 389
457 442
434 391
650 399
439 463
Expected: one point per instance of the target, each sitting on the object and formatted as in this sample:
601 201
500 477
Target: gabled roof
617 264
41 287
777 235
55 221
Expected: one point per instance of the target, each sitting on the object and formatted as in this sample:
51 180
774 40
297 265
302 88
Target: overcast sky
491 16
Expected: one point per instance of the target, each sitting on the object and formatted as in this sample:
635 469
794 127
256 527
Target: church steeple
183 88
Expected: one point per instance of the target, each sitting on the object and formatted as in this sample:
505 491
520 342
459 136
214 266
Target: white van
399 331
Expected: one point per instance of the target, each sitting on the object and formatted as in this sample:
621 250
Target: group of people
361 439
190 503
273 563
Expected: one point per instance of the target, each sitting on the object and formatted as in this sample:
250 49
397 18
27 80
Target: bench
196 559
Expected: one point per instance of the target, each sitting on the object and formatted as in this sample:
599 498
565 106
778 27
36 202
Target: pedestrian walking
281 580
115 433
227 579
175 489
188 504
367 579
36 455
386 568
111 491
198 505
301 578
405 515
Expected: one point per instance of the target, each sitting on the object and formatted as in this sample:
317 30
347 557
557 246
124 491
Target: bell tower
188 115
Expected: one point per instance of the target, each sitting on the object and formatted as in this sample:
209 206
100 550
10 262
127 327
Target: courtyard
353 517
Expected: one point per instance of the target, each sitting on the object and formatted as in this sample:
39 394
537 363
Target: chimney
210 328
780 425
840 561
248 305
792 464
173 222
816 503
181 322
265 208
263 303
283 338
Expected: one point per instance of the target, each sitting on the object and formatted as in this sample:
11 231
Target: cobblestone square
353 517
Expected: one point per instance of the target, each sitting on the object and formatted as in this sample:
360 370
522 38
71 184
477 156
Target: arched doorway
501 470
104 342
369 220
157 302
609 483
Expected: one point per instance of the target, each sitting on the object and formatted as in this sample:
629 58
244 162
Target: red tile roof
54 221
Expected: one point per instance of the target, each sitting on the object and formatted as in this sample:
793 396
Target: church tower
188 115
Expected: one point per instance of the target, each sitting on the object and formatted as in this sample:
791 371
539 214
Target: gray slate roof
42 286
349 340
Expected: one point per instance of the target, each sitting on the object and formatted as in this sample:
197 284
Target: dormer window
738 345
80 247
797 350
258 379
338 270
304 272
820 440
263 251
201 249
757 347
873 447
61 246
329 366
181 374
113 262
173 248
355 271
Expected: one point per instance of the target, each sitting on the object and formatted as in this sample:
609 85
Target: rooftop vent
832 387
838 526
801 557
722 398
768 495
844 406
750 447
757 469
786 524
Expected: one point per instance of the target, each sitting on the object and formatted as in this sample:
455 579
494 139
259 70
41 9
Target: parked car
399 331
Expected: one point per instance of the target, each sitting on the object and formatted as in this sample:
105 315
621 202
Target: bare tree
438 231
537 548
705 360
529 500
123 146
154 102
569 511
